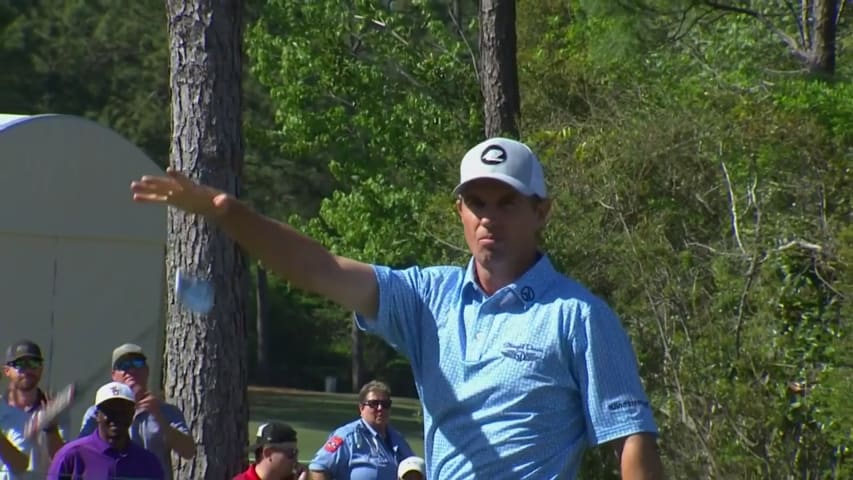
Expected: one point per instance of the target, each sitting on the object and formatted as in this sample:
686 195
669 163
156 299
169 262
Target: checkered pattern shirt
514 385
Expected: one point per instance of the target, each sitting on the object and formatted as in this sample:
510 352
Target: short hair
374 386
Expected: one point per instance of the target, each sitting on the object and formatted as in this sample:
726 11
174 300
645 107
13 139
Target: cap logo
493 155
115 390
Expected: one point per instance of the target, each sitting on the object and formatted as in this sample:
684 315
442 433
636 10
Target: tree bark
263 313
499 67
205 357
822 55
357 358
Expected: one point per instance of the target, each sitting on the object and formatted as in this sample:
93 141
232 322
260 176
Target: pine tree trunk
822 55
499 67
357 358
263 353
205 358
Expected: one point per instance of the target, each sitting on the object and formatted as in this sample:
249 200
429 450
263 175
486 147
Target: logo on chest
523 352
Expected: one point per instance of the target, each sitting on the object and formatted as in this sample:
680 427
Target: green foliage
702 185
103 60
381 101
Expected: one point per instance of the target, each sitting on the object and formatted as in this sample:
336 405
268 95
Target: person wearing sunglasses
367 448
107 453
23 369
157 426
276 455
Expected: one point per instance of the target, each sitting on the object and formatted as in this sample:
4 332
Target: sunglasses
290 453
26 364
129 364
374 404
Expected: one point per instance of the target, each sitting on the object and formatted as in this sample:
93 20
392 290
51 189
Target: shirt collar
104 446
524 288
369 428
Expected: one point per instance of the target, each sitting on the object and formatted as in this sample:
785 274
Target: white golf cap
114 390
411 464
506 160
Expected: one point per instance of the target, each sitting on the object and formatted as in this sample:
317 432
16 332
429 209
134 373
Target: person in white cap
158 426
519 368
412 468
108 452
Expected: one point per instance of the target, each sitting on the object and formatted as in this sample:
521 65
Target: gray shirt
145 431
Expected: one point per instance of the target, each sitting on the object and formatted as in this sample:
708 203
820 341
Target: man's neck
495 277
264 471
23 399
120 443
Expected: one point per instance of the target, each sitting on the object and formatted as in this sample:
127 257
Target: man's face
132 370
282 456
500 224
24 373
114 417
376 409
413 475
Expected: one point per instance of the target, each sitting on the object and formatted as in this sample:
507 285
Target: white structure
81 265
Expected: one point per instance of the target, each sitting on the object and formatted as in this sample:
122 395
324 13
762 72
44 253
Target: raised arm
295 257
16 460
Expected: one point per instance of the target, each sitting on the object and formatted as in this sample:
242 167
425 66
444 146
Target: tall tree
206 360
499 67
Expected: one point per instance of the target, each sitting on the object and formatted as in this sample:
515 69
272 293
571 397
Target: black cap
23 349
273 432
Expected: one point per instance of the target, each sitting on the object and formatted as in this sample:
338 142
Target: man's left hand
151 404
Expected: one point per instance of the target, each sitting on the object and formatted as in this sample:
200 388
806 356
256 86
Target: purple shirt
91 458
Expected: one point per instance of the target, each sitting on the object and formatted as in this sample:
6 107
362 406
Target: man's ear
543 208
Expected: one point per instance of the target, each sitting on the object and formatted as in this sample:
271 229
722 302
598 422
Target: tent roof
44 161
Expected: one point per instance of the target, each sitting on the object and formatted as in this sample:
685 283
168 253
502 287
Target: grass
315 415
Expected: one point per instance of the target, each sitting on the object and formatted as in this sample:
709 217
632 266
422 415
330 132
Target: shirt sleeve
607 373
176 418
332 456
405 450
398 319
89 423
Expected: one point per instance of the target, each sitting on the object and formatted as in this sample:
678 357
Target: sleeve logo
333 444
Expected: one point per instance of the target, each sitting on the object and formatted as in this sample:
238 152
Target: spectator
107 453
158 426
13 461
23 369
366 449
412 468
276 455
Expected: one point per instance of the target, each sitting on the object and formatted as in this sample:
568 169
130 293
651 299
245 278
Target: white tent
81 265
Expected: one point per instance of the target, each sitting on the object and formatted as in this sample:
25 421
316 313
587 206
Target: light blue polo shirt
514 385
355 451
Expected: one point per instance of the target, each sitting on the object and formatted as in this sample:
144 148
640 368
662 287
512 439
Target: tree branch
732 207
797 50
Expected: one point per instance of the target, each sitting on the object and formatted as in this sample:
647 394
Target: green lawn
315 414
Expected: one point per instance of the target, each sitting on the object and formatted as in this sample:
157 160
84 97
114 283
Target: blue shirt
12 423
514 385
91 458
355 451
146 432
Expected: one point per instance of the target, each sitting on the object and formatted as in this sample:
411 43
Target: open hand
149 403
177 190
